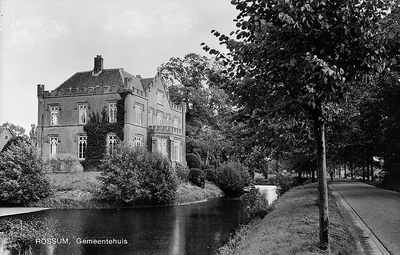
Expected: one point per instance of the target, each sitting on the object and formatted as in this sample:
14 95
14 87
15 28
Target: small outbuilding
5 135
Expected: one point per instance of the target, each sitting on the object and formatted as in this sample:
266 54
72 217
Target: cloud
169 19
28 33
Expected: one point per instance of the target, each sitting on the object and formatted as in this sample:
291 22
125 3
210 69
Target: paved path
376 211
6 211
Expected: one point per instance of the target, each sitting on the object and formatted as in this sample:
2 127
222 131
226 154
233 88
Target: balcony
155 129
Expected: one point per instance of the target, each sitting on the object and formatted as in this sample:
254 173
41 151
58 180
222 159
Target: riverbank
293 228
77 191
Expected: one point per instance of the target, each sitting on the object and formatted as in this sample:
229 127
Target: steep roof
146 82
107 77
2 128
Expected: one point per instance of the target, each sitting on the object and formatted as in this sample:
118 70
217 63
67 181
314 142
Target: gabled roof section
106 77
2 129
146 82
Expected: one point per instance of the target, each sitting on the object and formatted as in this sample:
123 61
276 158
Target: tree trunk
367 162
322 184
372 168
351 171
363 169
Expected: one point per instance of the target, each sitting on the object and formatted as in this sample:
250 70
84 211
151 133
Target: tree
22 179
33 134
305 57
194 80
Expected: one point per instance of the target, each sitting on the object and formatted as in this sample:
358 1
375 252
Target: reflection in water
190 229
269 191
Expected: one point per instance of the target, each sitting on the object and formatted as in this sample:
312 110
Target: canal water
198 228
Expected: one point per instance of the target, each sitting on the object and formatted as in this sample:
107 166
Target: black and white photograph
214 127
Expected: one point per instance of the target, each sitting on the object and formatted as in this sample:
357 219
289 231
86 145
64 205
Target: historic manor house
151 119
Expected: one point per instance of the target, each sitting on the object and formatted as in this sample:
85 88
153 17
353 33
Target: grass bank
77 191
293 228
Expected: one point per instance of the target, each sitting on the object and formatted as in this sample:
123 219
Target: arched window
111 142
53 146
82 145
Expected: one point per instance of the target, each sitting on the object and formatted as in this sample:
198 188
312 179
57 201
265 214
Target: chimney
98 64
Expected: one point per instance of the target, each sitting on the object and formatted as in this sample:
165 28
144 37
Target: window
111 142
112 112
160 118
138 114
151 111
160 96
162 146
54 115
176 122
138 140
167 118
53 146
176 150
82 145
82 108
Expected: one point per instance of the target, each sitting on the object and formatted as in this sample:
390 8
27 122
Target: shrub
193 161
284 182
182 172
232 178
91 165
14 140
210 174
63 165
261 181
197 177
133 175
204 167
255 205
21 176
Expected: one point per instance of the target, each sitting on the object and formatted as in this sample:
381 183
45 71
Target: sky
47 41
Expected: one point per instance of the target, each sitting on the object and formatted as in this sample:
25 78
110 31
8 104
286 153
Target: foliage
255 205
63 165
210 174
296 61
257 162
91 165
187 192
262 181
33 133
232 177
17 130
197 177
17 235
182 172
14 140
284 182
97 129
193 161
132 175
194 80
21 176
